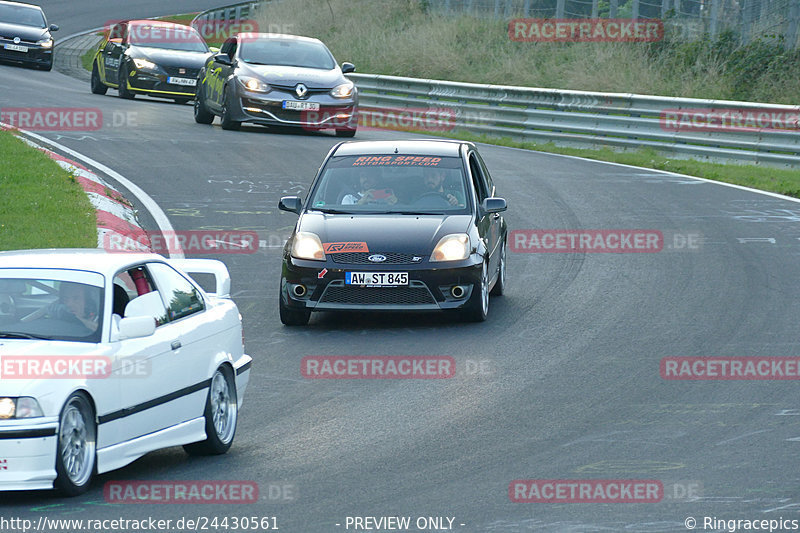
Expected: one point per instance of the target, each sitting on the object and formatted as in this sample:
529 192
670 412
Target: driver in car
75 304
434 183
368 193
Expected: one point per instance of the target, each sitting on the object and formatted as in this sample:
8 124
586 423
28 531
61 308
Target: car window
179 295
59 305
22 15
486 176
290 53
228 47
477 177
396 183
135 295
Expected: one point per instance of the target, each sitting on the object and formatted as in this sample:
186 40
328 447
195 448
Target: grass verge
42 205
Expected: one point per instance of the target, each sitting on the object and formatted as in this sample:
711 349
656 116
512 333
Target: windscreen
52 309
391 183
168 37
288 53
22 15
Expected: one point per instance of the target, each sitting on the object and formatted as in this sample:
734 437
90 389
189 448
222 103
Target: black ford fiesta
396 226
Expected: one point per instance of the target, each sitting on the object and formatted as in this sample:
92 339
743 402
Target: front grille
175 71
415 294
362 258
290 89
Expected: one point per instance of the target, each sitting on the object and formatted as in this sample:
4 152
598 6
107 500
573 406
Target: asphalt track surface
570 387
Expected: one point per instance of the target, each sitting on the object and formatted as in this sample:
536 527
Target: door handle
175 345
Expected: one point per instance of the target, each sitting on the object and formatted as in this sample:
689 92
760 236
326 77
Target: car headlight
144 64
451 248
45 43
307 246
254 84
344 90
23 407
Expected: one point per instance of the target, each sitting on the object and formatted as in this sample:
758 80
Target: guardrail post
526 8
560 9
664 8
714 18
635 6
497 9
612 9
595 8
791 31
507 12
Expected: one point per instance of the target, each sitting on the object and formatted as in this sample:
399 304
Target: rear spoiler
208 266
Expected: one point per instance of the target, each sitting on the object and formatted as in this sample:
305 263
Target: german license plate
16 47
376 279
186 82
300 106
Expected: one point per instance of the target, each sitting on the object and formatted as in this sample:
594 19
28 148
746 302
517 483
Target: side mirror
291 203
115 40
494 205
348 67
213 49
223 59
53 27
136 327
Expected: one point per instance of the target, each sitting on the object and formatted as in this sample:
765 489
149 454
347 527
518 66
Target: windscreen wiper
18 335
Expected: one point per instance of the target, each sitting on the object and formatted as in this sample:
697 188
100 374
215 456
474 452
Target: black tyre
500 285
201 113
227 121
98 87
346 133
181 101
76 450
47 66
123 83
221 414
477 308
292 317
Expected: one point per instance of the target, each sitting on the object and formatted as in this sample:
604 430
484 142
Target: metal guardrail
590 119
231 13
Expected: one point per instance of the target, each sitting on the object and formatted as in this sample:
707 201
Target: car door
496 218
180 369
217 73
488 223
112 53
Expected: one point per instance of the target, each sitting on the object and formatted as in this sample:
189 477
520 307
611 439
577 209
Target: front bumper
28 454
267 109
36 55
156 83
429 286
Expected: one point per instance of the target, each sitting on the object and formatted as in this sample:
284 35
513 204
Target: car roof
441 147
26 4
277 36
87 259
141 22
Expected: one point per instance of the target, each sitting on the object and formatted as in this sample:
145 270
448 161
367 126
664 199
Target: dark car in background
396 226
277 80
25 35
148 57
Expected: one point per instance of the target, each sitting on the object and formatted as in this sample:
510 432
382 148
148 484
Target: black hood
25 33
413 234
170 58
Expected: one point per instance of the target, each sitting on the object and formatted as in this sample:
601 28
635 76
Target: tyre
123 84
76 450
500 285
201 113
227 122
181 101
346 133
477 308
221 414
292 317
98 87
47 66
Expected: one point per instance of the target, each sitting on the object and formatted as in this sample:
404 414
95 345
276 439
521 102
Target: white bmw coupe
105 357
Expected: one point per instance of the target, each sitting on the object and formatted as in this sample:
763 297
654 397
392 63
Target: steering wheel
430 195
